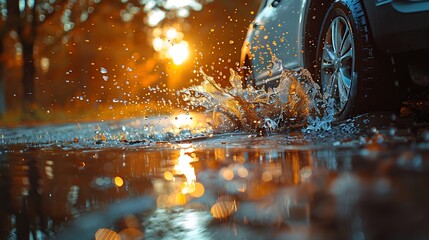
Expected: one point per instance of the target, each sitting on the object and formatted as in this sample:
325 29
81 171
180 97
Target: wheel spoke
328 67
345 41
328 54
347 55
345 73
332 83
343 89
336 35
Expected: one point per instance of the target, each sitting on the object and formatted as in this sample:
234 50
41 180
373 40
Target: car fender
286 23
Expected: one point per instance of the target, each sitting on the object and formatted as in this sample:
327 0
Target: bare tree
24 17
20 16
25 21
27 17
5 26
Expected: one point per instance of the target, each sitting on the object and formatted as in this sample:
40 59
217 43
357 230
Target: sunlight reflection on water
248 192
181 191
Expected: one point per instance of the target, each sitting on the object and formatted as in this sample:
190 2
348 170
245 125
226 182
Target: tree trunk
5 28
2 89
2 92
27 35
29 71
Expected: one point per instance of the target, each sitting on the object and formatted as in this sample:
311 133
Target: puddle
184 191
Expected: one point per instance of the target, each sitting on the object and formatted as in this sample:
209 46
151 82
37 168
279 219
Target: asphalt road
365 178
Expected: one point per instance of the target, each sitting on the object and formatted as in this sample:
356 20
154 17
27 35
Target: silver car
359 51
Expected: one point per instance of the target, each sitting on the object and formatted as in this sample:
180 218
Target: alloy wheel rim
337 64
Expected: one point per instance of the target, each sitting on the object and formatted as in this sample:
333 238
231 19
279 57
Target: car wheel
348 68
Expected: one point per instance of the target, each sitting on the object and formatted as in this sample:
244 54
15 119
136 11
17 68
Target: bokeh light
267 176
242 172
131 234
106 234
158 44
118 181
227 173
223 209
154 17
168 176
198 190
172 33
305 173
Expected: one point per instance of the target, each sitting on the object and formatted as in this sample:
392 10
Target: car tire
349 68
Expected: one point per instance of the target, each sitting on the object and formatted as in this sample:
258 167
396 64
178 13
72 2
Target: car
358 51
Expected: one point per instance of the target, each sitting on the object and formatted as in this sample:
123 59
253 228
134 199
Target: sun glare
168 41
155 17
183 120
158 44
172 33
179 52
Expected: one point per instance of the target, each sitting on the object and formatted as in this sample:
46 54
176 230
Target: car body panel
272 36
399 26
277 33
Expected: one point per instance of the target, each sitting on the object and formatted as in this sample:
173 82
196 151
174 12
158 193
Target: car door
276 43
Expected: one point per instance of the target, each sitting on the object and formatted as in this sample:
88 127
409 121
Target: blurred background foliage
82 60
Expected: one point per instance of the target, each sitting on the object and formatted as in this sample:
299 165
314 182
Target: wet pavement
364 179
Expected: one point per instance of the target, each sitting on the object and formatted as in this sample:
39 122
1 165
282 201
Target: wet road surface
364 179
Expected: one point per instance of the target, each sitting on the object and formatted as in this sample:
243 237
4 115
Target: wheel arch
313 23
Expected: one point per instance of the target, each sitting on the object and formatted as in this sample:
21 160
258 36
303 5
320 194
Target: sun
168 42
179 52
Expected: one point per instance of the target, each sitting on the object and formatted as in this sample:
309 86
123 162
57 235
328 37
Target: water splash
322 122
296 101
